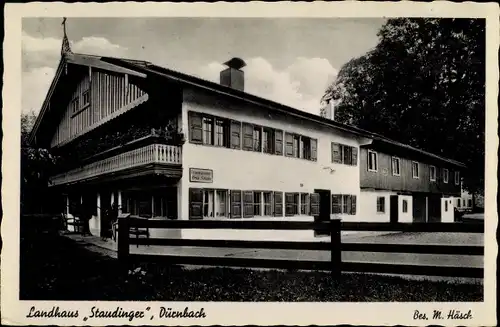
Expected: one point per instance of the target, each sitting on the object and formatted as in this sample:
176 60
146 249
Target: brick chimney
233 76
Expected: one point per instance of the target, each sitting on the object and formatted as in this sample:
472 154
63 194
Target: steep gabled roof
81 60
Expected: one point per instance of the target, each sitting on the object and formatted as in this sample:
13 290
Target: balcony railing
154 153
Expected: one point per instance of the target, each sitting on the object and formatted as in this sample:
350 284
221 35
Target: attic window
85 98
75 105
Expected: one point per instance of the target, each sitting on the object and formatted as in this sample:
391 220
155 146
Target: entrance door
324 209
394 209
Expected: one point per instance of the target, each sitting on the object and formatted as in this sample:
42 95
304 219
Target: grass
56 268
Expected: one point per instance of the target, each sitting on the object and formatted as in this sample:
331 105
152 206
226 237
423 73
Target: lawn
56 268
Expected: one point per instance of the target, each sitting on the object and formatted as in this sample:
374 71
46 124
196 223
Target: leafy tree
36 167
424 85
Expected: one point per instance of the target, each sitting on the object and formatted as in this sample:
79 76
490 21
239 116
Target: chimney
233 76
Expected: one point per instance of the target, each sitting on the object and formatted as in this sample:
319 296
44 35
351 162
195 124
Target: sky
289 60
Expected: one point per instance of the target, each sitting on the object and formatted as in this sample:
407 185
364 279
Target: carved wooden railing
154 153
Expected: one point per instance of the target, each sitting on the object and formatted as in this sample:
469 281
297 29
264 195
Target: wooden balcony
150 155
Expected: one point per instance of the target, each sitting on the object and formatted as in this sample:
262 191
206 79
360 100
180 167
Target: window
291 204
395 166
405 206
248 130
470 203
304 204
458 203
220 132
208 204
268 142
372 161
336 203
208 130
268 205
257 203
446 205
222 203
381 204
257 139
445 175
463 202
305 147
457 178
344 154
432 173
414 169
75 105
344 204
85 98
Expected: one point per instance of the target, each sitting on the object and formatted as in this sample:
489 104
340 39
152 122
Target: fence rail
333 245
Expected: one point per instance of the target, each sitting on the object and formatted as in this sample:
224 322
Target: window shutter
314 200
195 127
288 145
336 203
247 204
314 149
195 203
235 134
278 204
278 148
336 154
288 204
353 204
347 203
235 204
247 137
354 156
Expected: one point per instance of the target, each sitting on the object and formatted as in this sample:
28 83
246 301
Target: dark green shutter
288 145
195 203
235 204
195 127
235 134
289 204
247 204
278 204
353 204
354 156
278 147
314 200
247 137
314 149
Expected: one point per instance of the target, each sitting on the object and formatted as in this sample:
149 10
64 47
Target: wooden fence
335 246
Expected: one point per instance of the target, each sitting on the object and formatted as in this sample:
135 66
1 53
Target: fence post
123 238
335 247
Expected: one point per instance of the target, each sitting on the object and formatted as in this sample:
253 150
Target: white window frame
376 161
446 175
435 173
457 178
399 166
413 172
380 212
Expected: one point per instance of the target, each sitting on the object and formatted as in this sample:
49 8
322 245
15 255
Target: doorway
394 209
324 210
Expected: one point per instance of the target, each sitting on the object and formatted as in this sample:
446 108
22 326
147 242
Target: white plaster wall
447 216
368 206
246 170
408 216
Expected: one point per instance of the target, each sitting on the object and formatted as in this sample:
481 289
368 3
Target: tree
37 164
424 85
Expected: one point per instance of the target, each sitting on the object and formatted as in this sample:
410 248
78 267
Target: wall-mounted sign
198 175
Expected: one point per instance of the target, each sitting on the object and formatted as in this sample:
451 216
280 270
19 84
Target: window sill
85 107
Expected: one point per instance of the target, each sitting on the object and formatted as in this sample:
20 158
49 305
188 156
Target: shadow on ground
56 268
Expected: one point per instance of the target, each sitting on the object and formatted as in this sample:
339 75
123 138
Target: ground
57 268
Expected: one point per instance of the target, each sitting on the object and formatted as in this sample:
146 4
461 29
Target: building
167 145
